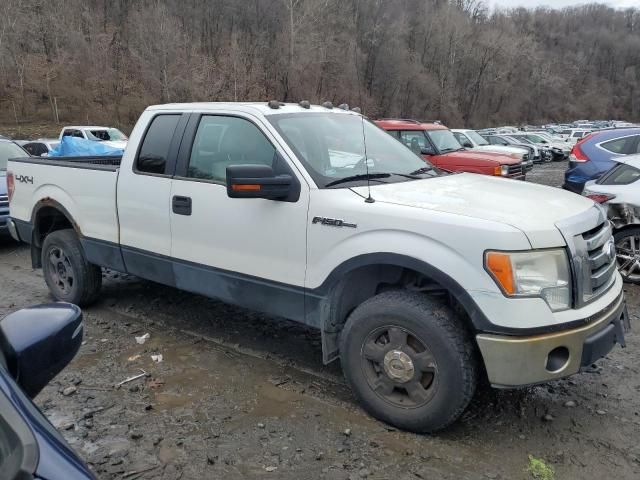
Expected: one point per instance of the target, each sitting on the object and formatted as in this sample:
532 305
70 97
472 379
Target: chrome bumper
13 231
519 361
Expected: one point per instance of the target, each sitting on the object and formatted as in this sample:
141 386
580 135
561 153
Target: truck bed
84 186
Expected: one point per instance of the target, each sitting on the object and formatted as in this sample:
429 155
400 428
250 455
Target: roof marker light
328 105
343 106
305 104
274 104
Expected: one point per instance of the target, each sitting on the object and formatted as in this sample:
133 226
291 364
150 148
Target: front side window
415 140
152 157
344 150
224 141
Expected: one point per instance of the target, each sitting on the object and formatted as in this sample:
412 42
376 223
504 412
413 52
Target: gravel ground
242 395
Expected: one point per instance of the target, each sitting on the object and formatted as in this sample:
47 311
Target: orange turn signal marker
245 188
499 264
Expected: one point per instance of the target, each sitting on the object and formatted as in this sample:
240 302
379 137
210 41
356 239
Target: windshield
105 135
9 150
536 138
332 148
476 138
444 140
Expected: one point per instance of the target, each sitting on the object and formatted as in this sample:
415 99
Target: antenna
369 199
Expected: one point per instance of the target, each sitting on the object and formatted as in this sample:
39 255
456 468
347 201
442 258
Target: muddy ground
242 395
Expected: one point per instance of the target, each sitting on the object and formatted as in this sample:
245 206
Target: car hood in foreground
533 209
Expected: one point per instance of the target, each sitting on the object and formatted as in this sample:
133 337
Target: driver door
246 251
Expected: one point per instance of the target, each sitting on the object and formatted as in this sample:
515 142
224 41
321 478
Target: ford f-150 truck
420 282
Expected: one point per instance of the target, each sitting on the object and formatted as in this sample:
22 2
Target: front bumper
4 224
513 361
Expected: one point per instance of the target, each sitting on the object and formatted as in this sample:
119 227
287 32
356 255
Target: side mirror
38 342
467 144
259 181
427 151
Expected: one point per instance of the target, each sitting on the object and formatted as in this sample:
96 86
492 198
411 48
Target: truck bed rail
111 163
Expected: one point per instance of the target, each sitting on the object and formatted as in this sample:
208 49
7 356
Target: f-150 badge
333 222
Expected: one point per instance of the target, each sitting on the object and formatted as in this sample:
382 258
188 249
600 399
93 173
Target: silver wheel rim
62 273
399 367
628 257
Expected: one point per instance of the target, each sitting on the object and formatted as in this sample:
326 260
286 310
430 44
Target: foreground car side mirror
260 181
38 342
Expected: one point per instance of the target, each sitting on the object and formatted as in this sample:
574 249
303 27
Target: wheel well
367 281
47 219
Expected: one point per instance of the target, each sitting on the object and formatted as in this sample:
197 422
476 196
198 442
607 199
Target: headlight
537 273
502 170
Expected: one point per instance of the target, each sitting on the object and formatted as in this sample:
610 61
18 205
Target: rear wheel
69 276
409 361
628 254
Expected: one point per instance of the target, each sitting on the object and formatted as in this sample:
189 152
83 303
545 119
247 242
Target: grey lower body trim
254 293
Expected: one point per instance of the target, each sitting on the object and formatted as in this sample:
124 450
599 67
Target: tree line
104 61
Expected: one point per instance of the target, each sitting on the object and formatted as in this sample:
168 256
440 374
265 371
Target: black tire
631 274
427 323
69 276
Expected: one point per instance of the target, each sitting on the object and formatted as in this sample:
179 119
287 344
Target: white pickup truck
420 282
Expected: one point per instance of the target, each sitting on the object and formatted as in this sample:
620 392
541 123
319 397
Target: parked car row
442 147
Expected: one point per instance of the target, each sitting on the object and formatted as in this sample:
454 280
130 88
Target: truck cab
438 145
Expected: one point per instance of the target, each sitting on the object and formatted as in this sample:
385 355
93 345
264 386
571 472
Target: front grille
592 254
515 170
4 202
602 260
525 156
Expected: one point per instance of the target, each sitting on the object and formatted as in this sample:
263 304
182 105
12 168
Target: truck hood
533 209
472 156
501 149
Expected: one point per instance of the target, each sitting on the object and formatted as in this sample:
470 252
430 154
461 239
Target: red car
437 144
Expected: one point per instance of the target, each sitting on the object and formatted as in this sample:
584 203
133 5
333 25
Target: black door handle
181 205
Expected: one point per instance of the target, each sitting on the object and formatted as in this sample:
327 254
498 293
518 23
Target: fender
29 231
318 300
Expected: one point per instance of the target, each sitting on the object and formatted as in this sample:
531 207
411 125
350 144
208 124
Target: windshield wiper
354 178
422 170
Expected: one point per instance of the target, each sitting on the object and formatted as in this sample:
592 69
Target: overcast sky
560 3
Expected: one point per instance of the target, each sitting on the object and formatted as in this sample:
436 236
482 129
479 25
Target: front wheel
69 276
628 254
409 360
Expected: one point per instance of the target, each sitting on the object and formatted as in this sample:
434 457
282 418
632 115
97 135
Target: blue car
36 344
596 154
8 150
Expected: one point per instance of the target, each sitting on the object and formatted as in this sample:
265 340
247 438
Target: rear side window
152 157
619 145
35 148
620 175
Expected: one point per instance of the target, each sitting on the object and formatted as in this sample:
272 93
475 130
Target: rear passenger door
143 196
247 251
